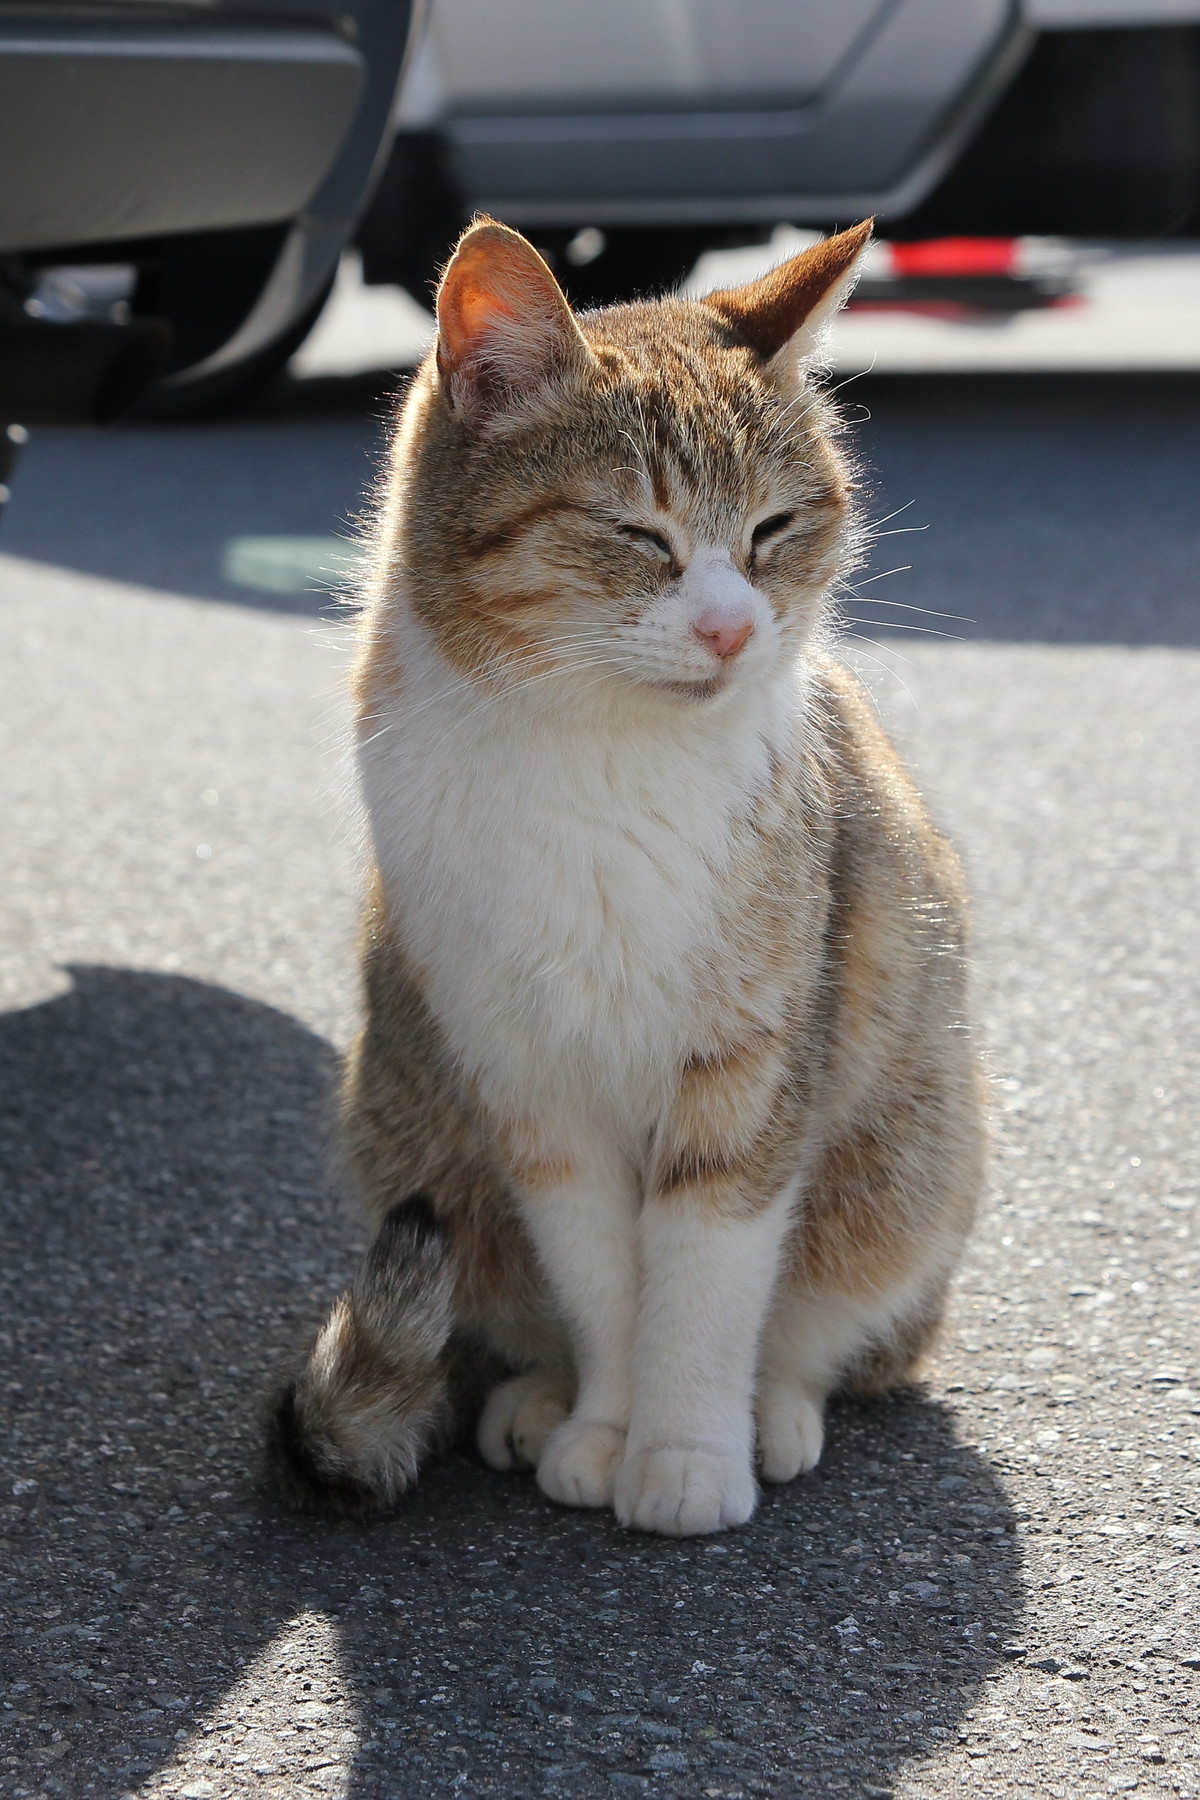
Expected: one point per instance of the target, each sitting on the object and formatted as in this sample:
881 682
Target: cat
664 1102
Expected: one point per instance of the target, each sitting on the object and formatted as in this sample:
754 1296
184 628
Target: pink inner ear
502 318
478 295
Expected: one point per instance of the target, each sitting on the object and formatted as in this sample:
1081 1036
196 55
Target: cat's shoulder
886 831
856 744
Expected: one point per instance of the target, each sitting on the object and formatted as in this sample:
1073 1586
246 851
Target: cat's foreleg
709 1266
582 1219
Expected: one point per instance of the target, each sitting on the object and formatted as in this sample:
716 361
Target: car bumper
114 131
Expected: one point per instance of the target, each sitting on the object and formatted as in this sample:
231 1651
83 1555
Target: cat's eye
651 543
767 530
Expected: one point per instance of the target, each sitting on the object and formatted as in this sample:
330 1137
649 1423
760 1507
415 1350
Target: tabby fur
664 962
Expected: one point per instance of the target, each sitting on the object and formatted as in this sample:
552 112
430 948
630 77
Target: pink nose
723 635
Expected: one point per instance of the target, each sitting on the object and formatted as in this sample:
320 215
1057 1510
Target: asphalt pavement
989 1586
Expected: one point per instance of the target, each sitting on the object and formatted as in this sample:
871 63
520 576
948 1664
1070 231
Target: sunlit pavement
989 1587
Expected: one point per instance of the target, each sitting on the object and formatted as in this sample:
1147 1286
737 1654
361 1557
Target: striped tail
350 1424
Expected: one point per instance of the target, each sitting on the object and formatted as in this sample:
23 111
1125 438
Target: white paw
791 1431
579 1463
518 1418
684 1490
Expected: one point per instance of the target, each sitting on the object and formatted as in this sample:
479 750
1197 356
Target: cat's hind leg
519 1416
871 1252
816 1343
808 1339
790 1414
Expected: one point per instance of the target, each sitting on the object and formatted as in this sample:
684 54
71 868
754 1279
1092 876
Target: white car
178 184
627 137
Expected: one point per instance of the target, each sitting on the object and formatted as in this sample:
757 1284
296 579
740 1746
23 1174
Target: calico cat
664 1100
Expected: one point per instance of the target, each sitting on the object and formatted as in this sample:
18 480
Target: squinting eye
769 528
650 543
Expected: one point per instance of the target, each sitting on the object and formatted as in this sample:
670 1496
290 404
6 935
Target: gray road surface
989 1587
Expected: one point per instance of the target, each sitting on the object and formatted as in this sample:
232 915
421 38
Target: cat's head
644 498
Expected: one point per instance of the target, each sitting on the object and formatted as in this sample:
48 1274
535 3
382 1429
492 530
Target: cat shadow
166 1234
1051 508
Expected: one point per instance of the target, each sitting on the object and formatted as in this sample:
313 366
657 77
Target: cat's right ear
503 323
786 314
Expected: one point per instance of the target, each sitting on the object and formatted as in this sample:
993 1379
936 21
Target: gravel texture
988 1587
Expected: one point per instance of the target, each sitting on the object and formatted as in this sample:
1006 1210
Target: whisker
952 637
888 517
856 376
501 667
906 606
382 732
887 669
900 569
602 661
859 638
871 536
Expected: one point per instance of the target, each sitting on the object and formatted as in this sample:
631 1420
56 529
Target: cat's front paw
518 1418
685 1490
791 1430
578 1466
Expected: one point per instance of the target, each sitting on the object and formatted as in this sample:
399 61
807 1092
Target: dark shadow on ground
1056 508
158 505
165 1233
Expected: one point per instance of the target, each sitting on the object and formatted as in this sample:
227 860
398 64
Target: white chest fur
559 873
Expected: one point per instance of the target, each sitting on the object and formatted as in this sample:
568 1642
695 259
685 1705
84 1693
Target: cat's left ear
785 315
504 325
